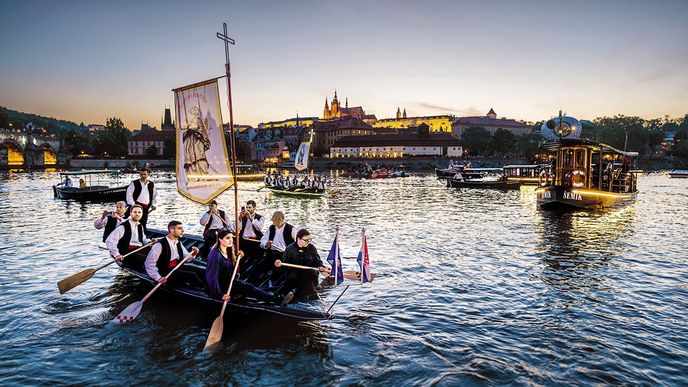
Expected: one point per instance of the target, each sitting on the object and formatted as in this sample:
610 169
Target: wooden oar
77 279
132 311
258 190
215 334
295 266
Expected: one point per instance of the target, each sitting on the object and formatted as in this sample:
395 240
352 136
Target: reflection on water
473 287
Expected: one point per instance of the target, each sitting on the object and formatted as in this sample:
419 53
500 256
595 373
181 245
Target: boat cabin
589 165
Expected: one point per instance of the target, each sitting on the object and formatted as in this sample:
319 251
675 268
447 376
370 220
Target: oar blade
215 334
129 313
356 275
75 280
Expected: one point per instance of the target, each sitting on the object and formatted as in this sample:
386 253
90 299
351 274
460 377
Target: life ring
544 178
577 178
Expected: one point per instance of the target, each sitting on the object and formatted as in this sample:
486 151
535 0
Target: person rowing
219 270
110 220
280 234
167 254
128 236
303 253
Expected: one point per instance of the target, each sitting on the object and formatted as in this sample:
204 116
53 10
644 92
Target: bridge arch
11 153
49 154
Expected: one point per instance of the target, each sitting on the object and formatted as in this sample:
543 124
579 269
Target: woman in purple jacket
219 271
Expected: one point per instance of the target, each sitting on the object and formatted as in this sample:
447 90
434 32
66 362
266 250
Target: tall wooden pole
232 139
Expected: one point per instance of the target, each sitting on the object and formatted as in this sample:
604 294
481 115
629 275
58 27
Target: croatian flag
364 259
334 258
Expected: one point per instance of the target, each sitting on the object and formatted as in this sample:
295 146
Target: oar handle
166 277
139 249
231 283
299 266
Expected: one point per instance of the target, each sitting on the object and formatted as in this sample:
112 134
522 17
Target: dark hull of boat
556 197
94 193
444 173
298 192
524 180
188 282
483 184
674 175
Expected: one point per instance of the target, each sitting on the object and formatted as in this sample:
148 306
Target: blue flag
334 258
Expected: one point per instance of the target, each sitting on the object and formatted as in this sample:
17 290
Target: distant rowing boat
300 192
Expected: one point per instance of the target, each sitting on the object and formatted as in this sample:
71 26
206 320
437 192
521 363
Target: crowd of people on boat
263 249
316 183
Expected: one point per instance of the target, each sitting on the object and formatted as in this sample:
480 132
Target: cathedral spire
335 93
398 113
404 115
346 104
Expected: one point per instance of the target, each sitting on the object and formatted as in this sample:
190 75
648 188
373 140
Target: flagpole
232 138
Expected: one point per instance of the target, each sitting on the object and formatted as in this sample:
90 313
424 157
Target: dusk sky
86 61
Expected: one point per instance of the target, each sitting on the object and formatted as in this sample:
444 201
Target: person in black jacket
301 252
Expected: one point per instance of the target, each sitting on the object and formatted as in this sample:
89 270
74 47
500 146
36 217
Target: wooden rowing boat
189 283
300 192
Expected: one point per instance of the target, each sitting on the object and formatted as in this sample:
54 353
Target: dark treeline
11 119
632 133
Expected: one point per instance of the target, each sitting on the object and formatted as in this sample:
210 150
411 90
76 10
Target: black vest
210 220
138 187
165 255
123 243
109 227
286 236
259 234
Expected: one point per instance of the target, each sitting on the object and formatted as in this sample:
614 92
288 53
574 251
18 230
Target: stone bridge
29 149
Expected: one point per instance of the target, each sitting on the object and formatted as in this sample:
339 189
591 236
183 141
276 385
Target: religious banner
203 169
301 160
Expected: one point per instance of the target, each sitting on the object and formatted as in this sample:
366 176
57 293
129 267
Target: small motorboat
81 190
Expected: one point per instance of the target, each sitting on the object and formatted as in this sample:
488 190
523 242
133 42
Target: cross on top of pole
224 37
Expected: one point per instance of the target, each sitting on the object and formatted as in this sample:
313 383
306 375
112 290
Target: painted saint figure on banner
202 164
196 143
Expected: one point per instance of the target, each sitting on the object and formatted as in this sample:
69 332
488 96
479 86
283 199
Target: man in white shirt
214 220
250 231
110 220
278 236
128 236
142 192
168 253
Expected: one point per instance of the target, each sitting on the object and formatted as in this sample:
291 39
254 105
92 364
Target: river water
473 287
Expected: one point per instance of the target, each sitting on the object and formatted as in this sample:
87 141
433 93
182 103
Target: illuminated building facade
441 123
400 145
489 122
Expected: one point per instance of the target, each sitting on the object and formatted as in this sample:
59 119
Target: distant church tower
492 114
334 110
404 113
326 112
399 113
